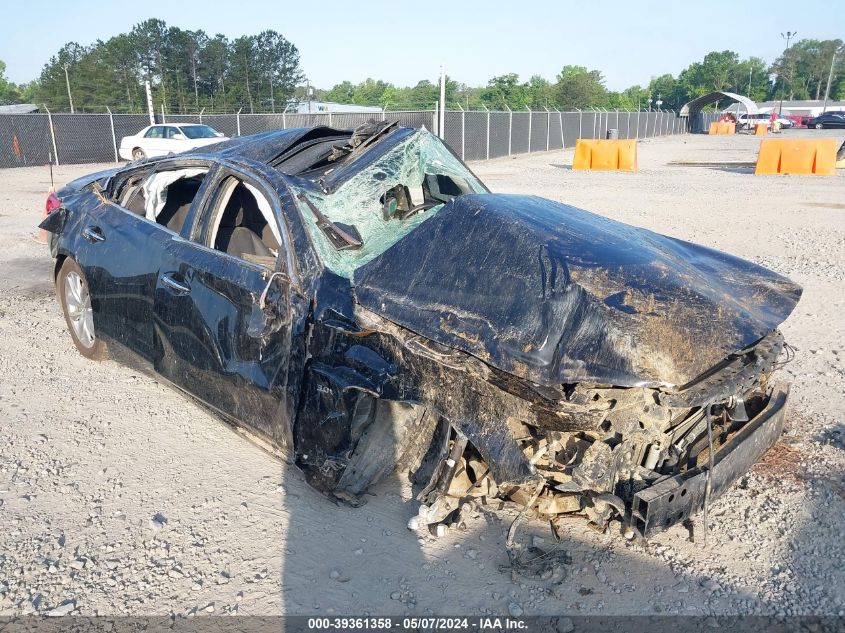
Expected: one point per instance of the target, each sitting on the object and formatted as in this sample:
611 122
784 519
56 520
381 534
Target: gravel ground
120 496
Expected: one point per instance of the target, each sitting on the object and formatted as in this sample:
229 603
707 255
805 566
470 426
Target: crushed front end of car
500 346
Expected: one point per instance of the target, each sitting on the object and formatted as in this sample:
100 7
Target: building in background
322 107
794 108
19 108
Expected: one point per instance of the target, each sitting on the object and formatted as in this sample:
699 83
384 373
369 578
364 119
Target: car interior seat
136 202
180 195
243 229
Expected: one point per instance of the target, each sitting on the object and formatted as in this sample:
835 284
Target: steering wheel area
425 206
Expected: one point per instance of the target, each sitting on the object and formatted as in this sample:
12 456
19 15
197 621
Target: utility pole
308 93
750 70
441 125
67 83
150 109
829 79
787 36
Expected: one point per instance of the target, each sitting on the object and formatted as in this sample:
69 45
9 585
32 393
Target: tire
819 126
72 291
138 154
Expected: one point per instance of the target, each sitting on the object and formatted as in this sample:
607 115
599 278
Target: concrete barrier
722 127
605 154
797 156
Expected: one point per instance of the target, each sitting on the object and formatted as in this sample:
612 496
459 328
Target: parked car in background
748 121
798 120
165 139
827 120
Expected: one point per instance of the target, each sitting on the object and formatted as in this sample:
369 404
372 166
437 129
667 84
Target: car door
120 254
182 142
153 143
172 142
217 342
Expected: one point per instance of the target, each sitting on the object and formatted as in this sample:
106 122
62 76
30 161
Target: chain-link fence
36 139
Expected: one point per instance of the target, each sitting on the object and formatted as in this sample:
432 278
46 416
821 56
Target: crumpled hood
555 294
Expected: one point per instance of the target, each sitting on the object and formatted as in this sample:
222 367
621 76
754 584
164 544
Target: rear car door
217 341
120 255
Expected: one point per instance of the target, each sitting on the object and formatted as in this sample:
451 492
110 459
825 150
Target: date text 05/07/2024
414 623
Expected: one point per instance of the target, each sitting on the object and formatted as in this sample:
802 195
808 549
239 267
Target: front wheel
138 154
819 126
72 290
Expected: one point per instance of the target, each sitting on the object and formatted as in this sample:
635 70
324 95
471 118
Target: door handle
179 288
93 234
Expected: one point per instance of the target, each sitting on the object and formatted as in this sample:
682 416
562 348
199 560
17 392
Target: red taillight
53 202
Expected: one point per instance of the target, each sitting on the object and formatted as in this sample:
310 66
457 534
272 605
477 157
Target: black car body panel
557 295
504 344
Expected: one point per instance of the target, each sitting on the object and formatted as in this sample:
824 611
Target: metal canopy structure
692 108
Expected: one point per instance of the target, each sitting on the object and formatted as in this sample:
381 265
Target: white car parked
747 121
165 139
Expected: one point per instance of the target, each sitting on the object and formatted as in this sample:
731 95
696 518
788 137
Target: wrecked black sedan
363 304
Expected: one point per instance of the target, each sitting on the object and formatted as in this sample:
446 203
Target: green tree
539 93
187 70
753 79
505 90
9 92
578 87
213 61
633 98
341 93
803 69
423 95
667 89
718 71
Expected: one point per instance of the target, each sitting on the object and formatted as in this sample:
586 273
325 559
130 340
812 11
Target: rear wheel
75 300
138 154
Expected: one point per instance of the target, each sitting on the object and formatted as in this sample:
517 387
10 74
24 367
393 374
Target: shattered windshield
384 202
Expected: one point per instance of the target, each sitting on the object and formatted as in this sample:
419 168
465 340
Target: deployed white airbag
155 188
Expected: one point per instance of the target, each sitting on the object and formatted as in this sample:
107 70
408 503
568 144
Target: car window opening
157 131
132 197
168 195
244 224
163 197
179 197
384 201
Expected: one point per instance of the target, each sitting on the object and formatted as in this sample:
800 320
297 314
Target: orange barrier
605 154
761 129
722 127
797 156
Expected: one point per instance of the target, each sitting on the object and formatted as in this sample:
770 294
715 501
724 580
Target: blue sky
630 42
